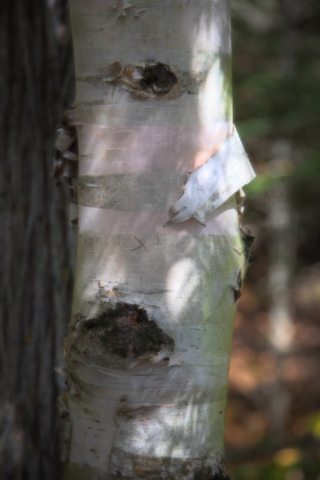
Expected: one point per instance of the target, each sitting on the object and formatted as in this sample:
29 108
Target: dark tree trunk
37 246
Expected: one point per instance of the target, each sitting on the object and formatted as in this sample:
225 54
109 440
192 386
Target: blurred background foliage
273 413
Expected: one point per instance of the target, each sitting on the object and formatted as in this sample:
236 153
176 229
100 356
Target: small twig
158 239
141 244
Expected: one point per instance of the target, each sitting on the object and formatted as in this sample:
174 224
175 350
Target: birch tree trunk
154 302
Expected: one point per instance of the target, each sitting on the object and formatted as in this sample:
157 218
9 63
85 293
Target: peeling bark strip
214 182
151 329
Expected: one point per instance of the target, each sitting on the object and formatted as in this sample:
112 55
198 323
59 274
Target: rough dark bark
37 247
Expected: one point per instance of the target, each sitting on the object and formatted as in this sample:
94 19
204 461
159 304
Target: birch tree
161 255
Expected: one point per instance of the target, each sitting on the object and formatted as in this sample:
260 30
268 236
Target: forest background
273 414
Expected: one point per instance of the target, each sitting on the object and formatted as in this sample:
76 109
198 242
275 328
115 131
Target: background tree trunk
37 248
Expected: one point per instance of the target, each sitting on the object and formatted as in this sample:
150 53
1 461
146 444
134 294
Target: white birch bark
153 309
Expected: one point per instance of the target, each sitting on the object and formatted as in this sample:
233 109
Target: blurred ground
254 446
273 413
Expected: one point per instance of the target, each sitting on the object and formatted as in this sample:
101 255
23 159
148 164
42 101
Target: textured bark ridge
120 337
211 467
144 81
74 472
37 248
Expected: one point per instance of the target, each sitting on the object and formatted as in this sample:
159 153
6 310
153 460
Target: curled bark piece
65 139
65 161
125 5
214 182
240 196
70 156
65 165
67 134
